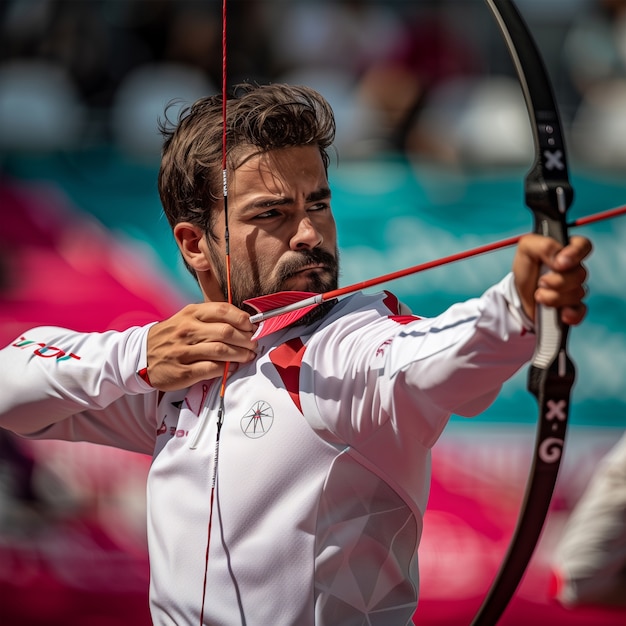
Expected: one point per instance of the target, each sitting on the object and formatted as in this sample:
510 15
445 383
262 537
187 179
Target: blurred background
432 147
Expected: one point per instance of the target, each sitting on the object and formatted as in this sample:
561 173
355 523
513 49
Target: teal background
392 213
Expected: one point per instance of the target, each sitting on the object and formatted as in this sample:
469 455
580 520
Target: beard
247 283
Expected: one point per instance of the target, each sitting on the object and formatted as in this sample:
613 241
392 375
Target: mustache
306 258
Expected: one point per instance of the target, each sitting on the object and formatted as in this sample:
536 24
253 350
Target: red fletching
274 324
282 301
278 299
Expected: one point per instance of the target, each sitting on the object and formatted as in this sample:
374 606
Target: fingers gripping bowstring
220 412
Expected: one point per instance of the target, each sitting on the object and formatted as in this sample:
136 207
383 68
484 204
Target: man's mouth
309 278
314 270
311 268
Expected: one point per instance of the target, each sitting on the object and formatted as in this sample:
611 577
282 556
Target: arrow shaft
415 269
458 256
598 217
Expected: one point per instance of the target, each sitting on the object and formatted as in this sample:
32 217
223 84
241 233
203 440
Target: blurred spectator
595 47
17 488
347 35
73 35
599 127
358 122
40 108
194 38
141 99
31 496
590 560
595 58
330 46
427 54
474 122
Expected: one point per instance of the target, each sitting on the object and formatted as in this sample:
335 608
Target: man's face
282 231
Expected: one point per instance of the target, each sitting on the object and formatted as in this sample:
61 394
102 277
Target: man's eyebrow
270 202
323 193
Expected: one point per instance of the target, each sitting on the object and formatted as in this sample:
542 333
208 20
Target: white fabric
324 455
591 554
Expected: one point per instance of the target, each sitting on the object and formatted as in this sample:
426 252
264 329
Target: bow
551 376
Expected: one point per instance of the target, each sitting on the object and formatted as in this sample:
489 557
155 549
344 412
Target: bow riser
548 191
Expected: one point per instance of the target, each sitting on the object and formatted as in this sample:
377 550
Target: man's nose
307 236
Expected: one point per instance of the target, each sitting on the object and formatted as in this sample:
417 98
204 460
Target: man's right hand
196 344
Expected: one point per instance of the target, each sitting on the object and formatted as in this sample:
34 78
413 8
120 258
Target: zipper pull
203 418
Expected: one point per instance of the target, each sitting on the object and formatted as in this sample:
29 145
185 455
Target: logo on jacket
258 420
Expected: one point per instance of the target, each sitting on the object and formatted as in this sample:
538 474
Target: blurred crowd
429 78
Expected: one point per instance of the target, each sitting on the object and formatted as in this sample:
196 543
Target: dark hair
261 116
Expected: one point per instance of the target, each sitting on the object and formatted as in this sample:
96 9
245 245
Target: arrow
286 307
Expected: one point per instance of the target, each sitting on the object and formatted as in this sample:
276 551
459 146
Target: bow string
221 409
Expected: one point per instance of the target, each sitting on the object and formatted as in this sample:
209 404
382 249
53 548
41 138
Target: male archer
328 425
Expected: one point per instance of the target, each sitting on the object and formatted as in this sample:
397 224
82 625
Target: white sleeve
415 375
590 559
60 384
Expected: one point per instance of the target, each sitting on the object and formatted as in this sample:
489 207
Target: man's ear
189 238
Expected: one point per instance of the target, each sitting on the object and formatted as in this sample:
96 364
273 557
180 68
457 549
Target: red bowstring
224 168
220 413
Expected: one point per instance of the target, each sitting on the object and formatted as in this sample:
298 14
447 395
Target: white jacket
324 455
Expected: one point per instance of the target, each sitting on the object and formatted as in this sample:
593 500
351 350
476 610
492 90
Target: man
314 512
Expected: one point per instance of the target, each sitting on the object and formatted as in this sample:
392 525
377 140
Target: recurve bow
548 194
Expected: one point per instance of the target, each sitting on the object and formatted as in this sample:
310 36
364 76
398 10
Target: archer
318 514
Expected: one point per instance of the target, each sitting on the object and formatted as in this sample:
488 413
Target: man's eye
267 214
320 206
